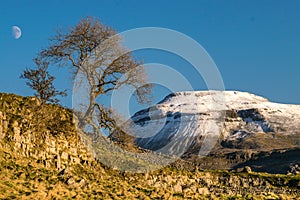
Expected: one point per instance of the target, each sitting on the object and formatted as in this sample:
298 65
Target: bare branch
94 49
42 82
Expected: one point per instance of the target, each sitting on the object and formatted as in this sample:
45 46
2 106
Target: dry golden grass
21 178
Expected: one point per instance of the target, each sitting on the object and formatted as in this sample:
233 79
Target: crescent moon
16 32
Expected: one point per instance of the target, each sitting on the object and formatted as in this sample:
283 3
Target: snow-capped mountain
202 122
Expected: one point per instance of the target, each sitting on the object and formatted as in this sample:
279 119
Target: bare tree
94 50
41 81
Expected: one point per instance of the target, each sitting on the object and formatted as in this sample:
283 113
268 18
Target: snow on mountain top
174 124
229 96
195 102
219 100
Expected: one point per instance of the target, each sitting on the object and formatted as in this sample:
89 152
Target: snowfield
185 119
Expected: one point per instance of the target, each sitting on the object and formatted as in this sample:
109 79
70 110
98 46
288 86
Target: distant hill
233 128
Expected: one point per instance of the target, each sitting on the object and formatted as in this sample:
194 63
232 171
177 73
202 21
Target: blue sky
255 44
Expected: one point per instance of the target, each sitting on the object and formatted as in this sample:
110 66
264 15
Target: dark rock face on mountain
222 130
276 161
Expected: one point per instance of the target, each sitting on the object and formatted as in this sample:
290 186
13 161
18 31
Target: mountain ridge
232 121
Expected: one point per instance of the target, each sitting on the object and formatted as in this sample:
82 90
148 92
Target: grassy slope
24 179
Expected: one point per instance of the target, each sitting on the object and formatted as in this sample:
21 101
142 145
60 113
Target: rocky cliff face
231 127
42 132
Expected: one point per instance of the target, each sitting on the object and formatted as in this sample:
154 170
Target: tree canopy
95 50
41 81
